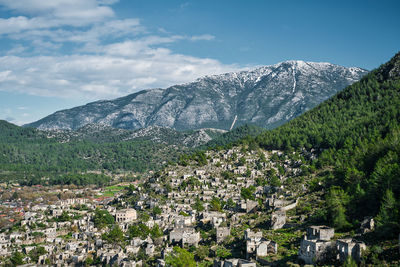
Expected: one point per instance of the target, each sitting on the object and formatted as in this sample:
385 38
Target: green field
110 191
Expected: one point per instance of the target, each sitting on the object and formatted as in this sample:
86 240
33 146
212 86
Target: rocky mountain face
267 96
100 133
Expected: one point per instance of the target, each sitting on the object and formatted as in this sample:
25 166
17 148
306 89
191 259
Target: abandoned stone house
214 217
278 219
200 172
172 173
349 247
234 263
274 202
222 233
247 206
251 206
125 215
312 251
257 246
320 232
315 243
72 201
184 236
240 170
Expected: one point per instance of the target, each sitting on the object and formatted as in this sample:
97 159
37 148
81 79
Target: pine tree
180 258
387 218
336 200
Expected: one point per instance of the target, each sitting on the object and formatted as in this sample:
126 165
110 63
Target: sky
63 53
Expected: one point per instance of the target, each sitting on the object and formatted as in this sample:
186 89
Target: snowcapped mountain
267 96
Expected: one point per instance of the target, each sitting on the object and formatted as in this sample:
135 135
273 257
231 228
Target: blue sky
63 53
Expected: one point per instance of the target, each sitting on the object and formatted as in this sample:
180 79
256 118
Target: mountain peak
266 96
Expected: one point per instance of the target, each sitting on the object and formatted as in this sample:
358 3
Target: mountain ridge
267 96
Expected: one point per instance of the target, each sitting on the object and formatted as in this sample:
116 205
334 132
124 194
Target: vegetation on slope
28 155
356 134
234 136
31 157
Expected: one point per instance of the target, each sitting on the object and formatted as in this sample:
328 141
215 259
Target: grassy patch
110 191
288 242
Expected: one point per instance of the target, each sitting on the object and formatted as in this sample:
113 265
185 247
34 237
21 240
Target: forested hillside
235 135
32 156
28 155
356 137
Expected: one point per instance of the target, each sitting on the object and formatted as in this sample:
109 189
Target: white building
125 215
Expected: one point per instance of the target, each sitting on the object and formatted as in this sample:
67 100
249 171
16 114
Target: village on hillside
233 207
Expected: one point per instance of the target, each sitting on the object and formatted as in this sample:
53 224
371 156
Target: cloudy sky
62 53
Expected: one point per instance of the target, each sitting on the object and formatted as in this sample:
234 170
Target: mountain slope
356 135
267 97
29 155
99 133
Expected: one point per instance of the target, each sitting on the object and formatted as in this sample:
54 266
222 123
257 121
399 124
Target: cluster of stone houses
317 242
65 242
73 241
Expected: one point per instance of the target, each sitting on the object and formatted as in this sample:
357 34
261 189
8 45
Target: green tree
234 156
183 213
215 204
115 236
156 232
102 218
222 252
202 252
336 200
180 257
156 210
17 258
388 216
64 217
230 203
144 216
89 261
138 230
35 253
226 175
247 192
198 205
201 158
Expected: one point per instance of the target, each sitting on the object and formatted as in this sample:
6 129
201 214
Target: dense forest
356 135
29 156
234 136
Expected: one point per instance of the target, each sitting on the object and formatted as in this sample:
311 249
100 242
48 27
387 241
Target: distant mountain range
268 97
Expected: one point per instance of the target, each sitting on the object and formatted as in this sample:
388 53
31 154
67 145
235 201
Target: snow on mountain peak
267 96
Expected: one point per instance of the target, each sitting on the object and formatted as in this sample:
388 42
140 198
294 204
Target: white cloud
94 35
96 64
203 37
41 14
103 76
61 8
5 75
20 23
16 49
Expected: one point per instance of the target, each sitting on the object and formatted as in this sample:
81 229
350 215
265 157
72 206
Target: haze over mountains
268 97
